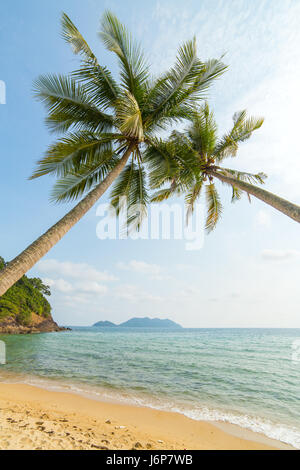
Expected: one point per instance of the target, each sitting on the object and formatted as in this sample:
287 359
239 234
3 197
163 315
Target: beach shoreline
35 418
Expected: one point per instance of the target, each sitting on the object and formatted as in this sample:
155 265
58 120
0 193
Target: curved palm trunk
34 252
282 205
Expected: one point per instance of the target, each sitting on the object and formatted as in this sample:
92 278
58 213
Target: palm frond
134 70
99 83
130 188
121 188
128 116
245 176
137 208
236 194
75 184
163 194
72 36
214 207
69 153
242 130
176 80
69 105
160 157
203 132
192 197
168 117
183 85
213 69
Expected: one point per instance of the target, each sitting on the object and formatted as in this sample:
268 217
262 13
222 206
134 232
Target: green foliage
188 159
102 118
24 298
214 207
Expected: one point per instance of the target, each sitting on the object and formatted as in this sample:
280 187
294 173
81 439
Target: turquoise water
242 376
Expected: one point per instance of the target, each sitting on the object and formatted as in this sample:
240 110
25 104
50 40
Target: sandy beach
35 418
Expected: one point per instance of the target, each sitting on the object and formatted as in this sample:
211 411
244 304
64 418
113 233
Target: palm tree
108 126
189 159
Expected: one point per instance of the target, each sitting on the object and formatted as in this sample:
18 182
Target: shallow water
242 376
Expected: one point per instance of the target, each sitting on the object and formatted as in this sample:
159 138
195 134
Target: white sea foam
272 430
277 431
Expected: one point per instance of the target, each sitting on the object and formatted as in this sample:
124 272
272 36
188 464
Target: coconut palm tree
190 159
107 126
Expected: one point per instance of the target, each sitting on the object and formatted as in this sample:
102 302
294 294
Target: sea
246 377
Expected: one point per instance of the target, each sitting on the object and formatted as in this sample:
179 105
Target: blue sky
247 273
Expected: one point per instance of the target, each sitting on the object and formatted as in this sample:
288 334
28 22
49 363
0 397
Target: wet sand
35 418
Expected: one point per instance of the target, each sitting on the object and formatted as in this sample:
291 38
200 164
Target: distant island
140 323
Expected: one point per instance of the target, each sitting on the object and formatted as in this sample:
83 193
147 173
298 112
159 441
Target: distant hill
104 324
141 323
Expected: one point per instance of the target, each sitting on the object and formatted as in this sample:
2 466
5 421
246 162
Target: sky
246 273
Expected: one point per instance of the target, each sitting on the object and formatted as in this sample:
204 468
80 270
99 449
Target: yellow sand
34 418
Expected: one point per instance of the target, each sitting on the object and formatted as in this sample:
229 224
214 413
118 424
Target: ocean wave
277 431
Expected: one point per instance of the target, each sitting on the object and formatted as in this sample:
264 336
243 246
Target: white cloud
262 52
279 255
59 284
134 294
91 286
63 286
154 271
82 271
263 219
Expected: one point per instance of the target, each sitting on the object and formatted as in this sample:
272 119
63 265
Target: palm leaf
130 189
128 116
163 194
192 197
98 80
69 105
236 194
134 71
75 184
245 176
160 157
69 153
203 132
137 207
71 35
167 88
214 207
121 188
242 130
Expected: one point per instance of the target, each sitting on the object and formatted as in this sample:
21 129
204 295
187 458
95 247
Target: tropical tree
107 126
189 162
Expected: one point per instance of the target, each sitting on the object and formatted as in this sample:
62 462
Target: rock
160 442
138 445
148 445
38 324
108 422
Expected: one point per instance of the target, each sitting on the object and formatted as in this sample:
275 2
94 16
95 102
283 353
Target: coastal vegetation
27 296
